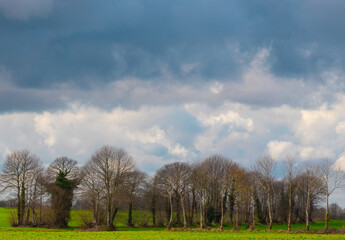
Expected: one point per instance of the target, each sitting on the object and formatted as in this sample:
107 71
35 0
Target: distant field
7 232
121 220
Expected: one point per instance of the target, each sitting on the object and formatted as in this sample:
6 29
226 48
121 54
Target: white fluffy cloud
155 135
224 128
280 149
219 117
280 131
80 130
318 133
340 163
340 128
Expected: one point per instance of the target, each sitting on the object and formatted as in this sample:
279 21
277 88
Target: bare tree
264 168
291 173
225 183
194 180
332 178
175 179
152 193
183 172
34 195
133 185
111 166
18 167
92 189
199 180
309 182
165 180
242 191
252 188
216 188
210 180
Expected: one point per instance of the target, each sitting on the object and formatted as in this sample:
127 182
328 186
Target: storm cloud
173 80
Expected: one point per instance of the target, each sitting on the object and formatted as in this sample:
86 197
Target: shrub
86 220
12 218
210 215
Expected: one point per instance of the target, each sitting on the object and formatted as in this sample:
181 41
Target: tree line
211 191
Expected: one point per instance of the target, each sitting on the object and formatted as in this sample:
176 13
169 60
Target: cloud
25 9
340 128
322 125
257 86
5 77
318 133
224 130
217 87
340 163
155 135
79 130
245 132
173 82
219 118
280 149
158 39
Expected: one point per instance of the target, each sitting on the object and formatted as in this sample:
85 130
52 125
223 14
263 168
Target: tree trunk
167 210
22 203
41 207
27 215
237 218
311 207
253 213
246 215
307 212
33 206
113 217
193 208
231 204
222 214
153 209
201 213
109 222
178 209
290 206
185 222
327 212
18 206
171 212
130 207
33 218
94 212
269 211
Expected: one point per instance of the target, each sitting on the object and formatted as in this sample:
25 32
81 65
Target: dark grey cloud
86 44
30 100
25 9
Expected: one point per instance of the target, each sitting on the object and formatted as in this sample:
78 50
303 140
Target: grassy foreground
162 235
7 232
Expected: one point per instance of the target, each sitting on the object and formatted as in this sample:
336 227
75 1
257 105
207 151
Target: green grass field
7 232
163 235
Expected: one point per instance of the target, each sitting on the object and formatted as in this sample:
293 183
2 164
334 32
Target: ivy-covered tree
67 179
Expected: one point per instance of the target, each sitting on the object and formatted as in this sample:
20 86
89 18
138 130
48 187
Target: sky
173 80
